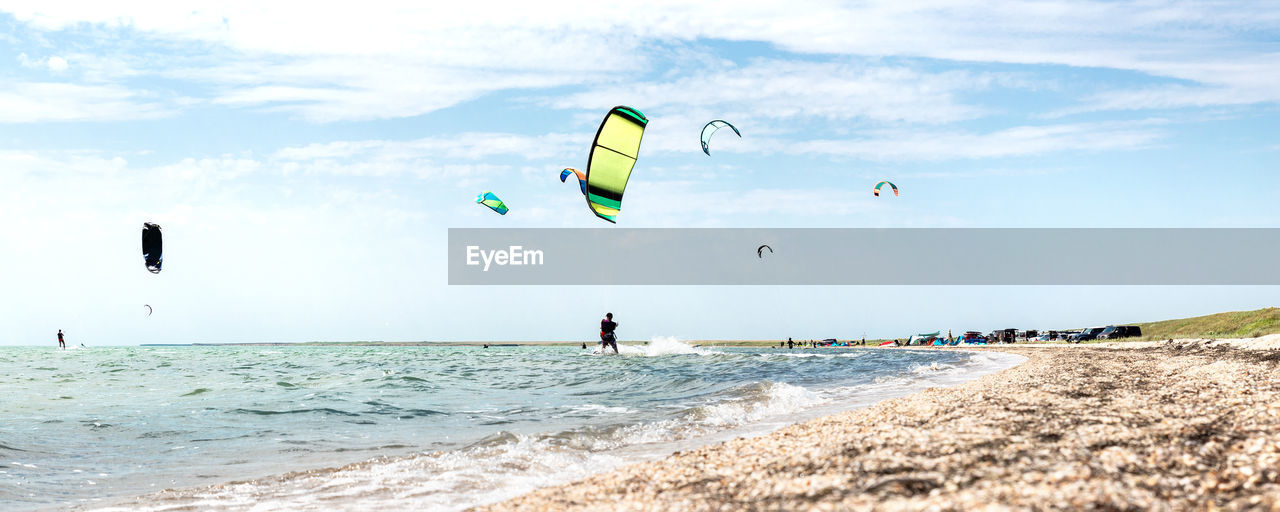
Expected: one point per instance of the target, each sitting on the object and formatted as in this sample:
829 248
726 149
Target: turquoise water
400 427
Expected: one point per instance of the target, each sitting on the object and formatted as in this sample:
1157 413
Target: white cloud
26 102
680 199
372 63
918 145
404 59
978 173
57 64
665 136
346 88
210 171
461 156
53 63
1179 96
17 164
772 89
690 204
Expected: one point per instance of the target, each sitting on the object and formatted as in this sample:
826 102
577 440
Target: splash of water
661 346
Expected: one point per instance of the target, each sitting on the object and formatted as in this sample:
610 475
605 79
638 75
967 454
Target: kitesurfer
61 343
607 336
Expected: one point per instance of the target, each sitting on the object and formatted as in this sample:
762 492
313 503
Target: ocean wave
762 400
810 353
592 410
10 448
922 375
930 368
321 410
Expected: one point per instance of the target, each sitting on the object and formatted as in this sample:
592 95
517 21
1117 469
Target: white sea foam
661 346
493 470
498 468
930 368
594 409
778 399
452 480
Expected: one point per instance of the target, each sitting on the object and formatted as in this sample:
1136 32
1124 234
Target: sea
402 427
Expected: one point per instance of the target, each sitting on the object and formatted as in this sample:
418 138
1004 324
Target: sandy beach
1176 425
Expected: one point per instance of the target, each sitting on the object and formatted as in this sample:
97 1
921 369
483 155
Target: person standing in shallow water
607 336
61 342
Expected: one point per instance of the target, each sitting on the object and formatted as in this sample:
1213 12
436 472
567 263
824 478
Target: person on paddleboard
607 336
61 342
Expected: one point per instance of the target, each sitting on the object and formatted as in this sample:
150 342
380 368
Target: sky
305 161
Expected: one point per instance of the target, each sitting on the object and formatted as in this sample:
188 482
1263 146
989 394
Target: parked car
1086 335
1065 335
1003 335
1115 332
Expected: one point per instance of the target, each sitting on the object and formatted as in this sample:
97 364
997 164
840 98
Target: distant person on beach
61 343
790 344
607 335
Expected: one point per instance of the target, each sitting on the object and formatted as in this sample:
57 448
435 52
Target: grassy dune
1233 324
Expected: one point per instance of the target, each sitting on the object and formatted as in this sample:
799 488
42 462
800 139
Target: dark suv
1115 332
1086 335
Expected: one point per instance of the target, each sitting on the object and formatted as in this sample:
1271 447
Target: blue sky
305 163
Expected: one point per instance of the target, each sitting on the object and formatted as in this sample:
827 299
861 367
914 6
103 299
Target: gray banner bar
609 256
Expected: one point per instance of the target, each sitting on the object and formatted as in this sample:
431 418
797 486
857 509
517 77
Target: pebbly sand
1180 425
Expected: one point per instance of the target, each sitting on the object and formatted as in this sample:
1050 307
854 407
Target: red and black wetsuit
607 338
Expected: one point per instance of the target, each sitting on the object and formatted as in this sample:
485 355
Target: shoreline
1161 425
1110 426
212 495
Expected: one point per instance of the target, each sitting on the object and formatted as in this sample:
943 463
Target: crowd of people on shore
790 343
